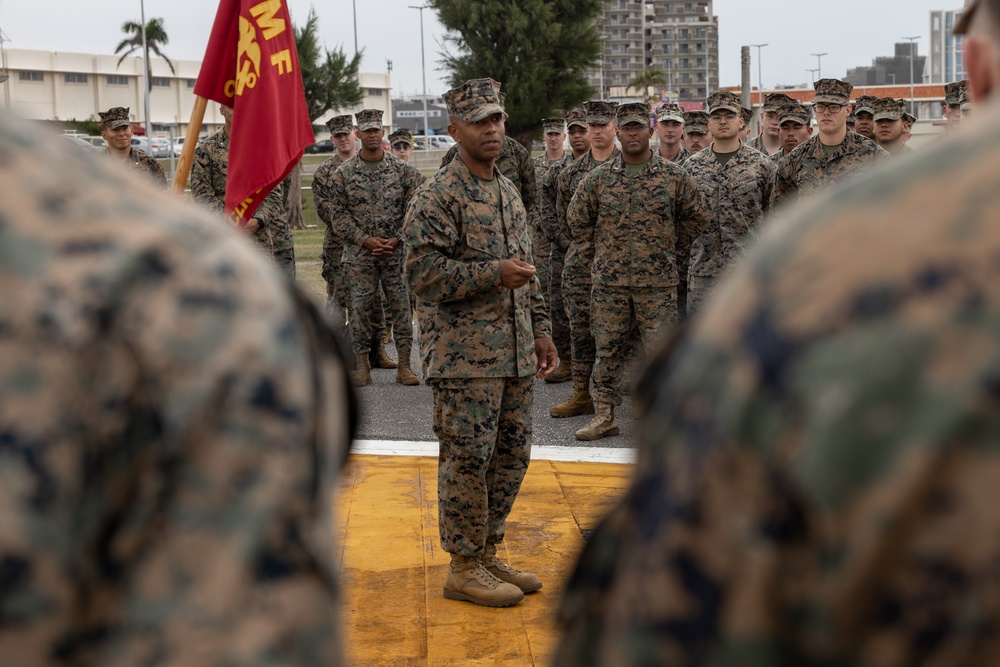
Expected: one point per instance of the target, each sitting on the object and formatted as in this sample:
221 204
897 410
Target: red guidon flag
251 65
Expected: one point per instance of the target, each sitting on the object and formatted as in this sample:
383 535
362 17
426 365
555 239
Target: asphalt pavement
390 411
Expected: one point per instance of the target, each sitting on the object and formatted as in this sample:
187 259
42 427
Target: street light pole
819 64
912 41
813 72
354 6
760 78
423 67
146 77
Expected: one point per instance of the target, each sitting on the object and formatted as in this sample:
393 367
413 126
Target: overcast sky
851 32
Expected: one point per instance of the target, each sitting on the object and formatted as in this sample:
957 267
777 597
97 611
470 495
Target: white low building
57 86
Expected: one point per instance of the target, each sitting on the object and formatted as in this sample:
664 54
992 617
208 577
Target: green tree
330 80
651 78
156 37
538 50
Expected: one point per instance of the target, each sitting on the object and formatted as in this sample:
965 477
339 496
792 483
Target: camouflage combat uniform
477 347
173 421
682 156
576 272
372 202
208 188
514 163
818 482
337 295
548 223
807 169
142 163
737 196
637 230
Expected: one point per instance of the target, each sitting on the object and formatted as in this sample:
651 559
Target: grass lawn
308 245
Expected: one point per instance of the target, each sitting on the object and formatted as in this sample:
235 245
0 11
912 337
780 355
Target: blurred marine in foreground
819 477
172 414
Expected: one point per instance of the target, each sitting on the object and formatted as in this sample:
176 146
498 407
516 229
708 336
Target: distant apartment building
891 70
679 38
946 62
57 86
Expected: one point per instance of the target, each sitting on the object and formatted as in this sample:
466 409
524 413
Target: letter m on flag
251 65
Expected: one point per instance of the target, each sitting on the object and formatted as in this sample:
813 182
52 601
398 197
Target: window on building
74 77
668 49
30 76
682 33
160 82
374 92
190 83
668 33
116 80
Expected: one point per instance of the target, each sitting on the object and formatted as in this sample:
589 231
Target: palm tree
156 37
651 78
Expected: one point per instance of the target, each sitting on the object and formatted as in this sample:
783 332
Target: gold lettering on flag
247 57
264 13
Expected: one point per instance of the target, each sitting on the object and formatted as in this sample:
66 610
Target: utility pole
146 77
912 41
354 6
819 64
423 67
813 71
760 78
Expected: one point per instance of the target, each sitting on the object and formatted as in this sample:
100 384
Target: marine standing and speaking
737 184
116 129
484 333
269 224
368 198
636 217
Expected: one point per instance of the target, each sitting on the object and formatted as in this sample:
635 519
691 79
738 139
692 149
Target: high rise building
679 38
946 62
890 70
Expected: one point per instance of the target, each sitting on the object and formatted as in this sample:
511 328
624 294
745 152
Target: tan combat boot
363 374
384 360
562 373
601 426
579 403
526 581
469 581
405 374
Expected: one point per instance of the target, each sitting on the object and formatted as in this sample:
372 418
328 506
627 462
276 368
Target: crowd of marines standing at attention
626 240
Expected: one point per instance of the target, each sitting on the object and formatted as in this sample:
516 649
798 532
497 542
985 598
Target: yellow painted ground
392 567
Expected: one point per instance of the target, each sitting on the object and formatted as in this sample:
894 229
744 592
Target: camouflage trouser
333 272
699 287
285 260
541 254
617 313
483 426
576 290
560 320
363 277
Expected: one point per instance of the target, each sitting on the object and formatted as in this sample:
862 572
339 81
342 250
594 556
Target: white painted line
570 454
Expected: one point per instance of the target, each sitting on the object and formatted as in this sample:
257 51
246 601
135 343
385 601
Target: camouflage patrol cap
670 112
576 117
114 118
864 104
633 112
340 124
369 119
695 122
889 108
909 118
747 115
798 113
553 125
401 137
964 100
599 112
953 92
775 101
724 100
475 100
832 91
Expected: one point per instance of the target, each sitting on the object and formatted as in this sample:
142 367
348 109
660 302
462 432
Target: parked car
442 141
81 142
161 147
322 146
178 146
142 143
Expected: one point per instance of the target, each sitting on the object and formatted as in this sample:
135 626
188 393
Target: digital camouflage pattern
484 427
818 480
142 163
208 188
636 234
808 169
470 325
576 285
541 243
682 156
548 222
372 202
173 419
338 297
514 163
736 196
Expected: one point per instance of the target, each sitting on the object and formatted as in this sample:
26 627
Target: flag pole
190 143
